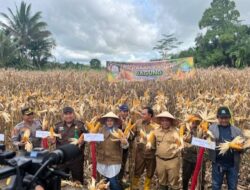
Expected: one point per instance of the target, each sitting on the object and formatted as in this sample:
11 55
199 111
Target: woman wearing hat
109 151
167 155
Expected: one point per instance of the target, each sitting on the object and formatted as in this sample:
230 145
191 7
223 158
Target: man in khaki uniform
144 158
167 152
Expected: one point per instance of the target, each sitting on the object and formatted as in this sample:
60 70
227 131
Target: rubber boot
135 183
147 183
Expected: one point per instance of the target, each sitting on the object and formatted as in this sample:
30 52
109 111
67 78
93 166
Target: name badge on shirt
61 128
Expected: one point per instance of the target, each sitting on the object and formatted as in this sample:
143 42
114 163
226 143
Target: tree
29 32
166 44
226 39
8 50
95 64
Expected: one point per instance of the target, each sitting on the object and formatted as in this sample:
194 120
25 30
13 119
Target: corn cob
237 144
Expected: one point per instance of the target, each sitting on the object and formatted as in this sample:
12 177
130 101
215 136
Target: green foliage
8 50
226 41
95 63
166 44
27 30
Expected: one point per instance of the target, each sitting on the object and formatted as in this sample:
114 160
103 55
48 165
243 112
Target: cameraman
28 123
71 128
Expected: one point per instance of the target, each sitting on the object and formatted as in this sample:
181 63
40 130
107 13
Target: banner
153 70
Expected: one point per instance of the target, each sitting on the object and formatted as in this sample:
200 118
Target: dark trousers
188 168
75 167
218 173
114 183
124 160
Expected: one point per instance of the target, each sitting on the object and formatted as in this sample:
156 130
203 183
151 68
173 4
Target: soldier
144 158
167 154
109 151
71 128
30 125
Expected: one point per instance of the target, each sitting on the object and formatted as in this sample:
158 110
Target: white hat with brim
166 114
109 115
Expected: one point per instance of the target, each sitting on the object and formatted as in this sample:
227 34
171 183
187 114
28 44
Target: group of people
162 157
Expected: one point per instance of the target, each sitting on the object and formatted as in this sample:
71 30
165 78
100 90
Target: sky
119 30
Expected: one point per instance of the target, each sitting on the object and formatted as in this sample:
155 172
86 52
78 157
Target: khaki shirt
18 133
141 147
165 143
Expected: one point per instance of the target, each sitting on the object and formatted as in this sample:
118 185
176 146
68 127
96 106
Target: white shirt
108 171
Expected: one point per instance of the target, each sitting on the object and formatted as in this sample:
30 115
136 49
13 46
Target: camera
38 167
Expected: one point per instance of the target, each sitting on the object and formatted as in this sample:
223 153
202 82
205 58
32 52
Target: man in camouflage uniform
28 123
71 128
144 158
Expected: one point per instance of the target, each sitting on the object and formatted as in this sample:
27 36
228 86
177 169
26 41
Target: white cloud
119 29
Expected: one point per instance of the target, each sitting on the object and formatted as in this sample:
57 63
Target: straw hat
166 114
110 115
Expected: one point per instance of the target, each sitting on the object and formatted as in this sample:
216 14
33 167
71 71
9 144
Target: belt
166 159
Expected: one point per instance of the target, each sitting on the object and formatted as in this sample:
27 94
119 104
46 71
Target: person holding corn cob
109 151
124 116
23 134
144 157
228 163
70 128
167 142
190 152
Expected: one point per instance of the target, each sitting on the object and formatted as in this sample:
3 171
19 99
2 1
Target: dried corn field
91 94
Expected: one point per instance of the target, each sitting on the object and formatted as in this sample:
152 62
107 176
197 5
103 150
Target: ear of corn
150 139
53 134
26 136
237 144
128 129
118 134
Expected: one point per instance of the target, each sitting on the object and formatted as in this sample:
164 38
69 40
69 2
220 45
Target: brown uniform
167 158
189 156
144 158
76 165
108 151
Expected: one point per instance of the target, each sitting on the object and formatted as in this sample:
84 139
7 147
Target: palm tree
28 31
8 50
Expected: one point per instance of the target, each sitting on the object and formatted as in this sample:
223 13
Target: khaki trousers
168 172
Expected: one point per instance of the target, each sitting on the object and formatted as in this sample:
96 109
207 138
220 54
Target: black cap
68 110
27 111
223 112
